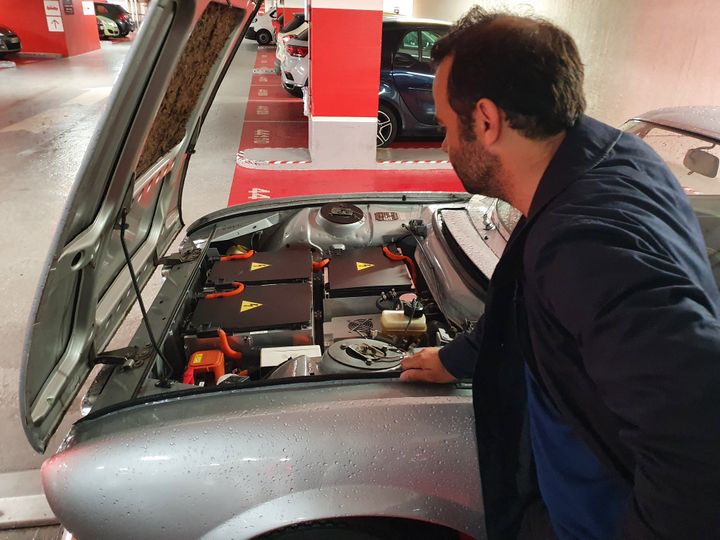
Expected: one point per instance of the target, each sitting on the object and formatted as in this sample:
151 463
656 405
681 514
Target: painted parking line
271 92
273 135
283 111
265 59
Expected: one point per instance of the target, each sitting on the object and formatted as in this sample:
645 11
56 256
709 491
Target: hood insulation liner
201 53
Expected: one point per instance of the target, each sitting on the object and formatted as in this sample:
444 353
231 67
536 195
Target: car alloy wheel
386 127
263 37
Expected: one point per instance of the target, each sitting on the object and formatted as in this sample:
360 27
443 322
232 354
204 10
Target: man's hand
425 366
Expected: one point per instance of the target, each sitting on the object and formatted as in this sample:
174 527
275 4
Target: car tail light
122 17
297 50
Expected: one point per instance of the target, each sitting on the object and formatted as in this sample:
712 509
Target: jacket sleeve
649 338
460 356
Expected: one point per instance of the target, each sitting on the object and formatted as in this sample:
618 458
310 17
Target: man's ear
488 121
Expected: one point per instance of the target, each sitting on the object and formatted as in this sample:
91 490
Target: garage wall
638 55
81 31
28 20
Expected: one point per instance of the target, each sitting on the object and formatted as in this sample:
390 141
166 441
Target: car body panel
703 121
248 461
281 48
135 165
295 70
9 41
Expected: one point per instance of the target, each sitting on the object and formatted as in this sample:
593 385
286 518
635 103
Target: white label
55 24
261 136
259 193
52 8
88 8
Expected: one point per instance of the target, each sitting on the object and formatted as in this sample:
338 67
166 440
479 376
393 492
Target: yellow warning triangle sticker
257 266
247 306
363 266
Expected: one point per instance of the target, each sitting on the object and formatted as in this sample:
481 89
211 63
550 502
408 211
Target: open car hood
134 166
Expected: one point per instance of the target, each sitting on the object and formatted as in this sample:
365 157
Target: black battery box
284 266
365 272
256 308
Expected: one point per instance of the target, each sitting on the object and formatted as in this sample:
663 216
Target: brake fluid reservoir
397 322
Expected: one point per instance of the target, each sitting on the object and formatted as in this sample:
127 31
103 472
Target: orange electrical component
225 346
319 265
238 257
205 362
396 257
239 287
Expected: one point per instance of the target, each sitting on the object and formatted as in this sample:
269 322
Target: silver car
260 397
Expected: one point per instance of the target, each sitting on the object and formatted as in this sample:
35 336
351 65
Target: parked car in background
296 26
106 27
205 425
261 29
405 96
9 41
406 104
118 14
295 67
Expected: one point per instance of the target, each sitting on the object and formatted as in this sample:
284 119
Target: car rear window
304 35
298 19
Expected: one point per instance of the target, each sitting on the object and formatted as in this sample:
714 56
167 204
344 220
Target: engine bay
334 289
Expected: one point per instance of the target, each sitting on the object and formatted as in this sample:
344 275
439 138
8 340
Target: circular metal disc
365 354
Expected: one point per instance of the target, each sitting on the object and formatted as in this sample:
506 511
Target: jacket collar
586 144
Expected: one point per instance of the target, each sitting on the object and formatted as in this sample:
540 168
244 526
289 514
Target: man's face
476 166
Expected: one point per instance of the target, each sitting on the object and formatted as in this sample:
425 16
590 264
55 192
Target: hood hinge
179 258
126 358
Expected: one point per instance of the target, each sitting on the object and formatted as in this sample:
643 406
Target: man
597 362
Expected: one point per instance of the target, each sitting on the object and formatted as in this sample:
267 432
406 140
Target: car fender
245 459
389 95
346 501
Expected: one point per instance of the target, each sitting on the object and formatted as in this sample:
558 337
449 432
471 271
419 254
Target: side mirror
404 59
702 162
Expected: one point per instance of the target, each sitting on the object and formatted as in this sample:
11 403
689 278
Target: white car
291 30
261 29
295 66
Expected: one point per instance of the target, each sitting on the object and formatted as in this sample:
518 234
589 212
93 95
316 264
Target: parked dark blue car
406 77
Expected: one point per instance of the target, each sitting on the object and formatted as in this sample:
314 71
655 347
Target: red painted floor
274 119
254 184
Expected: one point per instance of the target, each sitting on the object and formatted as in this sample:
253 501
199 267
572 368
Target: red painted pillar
345 37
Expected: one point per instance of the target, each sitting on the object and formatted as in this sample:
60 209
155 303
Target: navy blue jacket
605 292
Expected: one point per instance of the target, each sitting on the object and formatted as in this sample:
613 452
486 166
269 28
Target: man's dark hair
528 67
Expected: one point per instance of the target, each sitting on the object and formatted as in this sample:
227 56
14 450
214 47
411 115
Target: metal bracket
127 358
179 258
